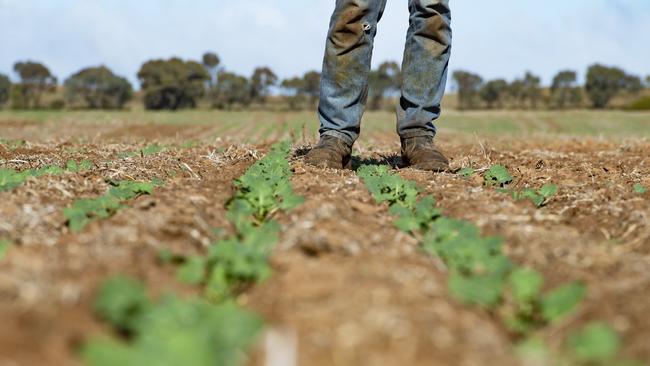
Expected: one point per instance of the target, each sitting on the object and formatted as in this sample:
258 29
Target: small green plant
11 179
4 247
12 144
527 307
595 343
170 331
235 262
417 218
146 151
122 302
639 188
413 215
265 187
73 166
386 187
538 197
84 211
212 331
480 274
497 175
466 172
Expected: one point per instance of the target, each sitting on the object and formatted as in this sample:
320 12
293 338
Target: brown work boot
331 152
420 153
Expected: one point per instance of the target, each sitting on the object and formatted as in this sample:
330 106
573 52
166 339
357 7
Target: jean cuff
417 133
347 139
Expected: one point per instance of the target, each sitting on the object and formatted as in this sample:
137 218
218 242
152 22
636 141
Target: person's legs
424 69
348 53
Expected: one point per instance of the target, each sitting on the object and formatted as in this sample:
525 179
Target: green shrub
641 104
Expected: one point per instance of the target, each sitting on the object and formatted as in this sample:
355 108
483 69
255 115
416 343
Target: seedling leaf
548 190
192 272
122 301
596 342
4 247
526 285
477 290
562 301
497 175
466 172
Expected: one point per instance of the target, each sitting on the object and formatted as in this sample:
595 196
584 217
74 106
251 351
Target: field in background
257 126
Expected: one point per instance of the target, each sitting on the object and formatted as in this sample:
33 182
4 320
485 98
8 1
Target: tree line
602 85
171 84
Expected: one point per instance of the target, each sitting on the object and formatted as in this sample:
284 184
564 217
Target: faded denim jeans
348 54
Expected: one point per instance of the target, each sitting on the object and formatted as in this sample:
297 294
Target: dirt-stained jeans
348 53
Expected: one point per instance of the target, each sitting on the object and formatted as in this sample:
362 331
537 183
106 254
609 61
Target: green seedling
466 172
193 270
561 301
197 332
386 187
639 188
237 261
4 247
170 331
596 342
12 144
480 273
265 186
73 166
497 175
146 151
538 197
419 218
152 149
84 211
122 302
11 179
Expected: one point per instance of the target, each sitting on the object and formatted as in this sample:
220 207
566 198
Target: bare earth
350 287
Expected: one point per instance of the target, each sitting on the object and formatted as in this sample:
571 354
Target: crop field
201 238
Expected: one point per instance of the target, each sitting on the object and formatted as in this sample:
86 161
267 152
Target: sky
497 39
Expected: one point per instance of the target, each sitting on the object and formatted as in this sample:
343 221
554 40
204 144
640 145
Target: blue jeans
348 54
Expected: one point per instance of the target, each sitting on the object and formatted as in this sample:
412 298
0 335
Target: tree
468 86
172 84
516 92
98 88
604 83
5 88
302 88
295 95
532 90
211 63
261 82
35 79
385 79
633 84
493 92
564 90
311 87
525 92
230 90
647 82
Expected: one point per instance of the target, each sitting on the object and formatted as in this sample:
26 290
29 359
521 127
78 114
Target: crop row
481 275
11 179
84 211
211 329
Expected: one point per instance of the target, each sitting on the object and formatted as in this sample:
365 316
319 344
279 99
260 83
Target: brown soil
350 287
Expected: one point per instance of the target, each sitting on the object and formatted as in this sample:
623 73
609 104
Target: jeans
348 54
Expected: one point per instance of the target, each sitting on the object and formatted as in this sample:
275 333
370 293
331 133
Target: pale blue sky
500 38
